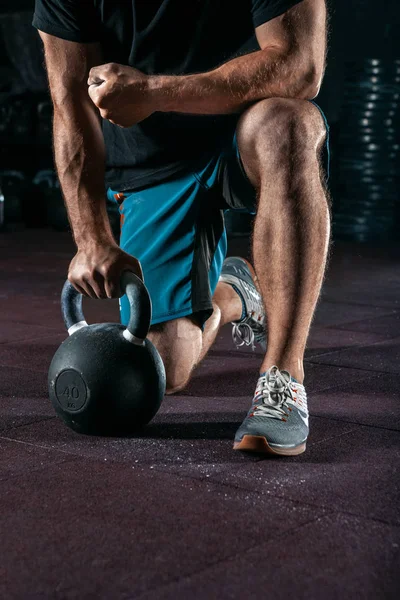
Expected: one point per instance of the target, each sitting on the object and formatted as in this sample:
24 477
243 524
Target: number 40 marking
71 392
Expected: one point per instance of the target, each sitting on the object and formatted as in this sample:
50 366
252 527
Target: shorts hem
186 312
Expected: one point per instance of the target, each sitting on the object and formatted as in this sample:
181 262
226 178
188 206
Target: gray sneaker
277 422
239 273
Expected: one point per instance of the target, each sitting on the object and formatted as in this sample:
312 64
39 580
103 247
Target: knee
176 380
177 373
277 127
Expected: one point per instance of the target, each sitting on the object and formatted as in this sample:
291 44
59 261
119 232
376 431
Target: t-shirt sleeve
73 20
265 10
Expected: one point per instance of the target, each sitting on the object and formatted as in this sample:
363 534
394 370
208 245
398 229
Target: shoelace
251 328
245 334
242 334
273 389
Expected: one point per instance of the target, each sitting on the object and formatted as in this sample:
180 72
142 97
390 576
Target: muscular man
179 110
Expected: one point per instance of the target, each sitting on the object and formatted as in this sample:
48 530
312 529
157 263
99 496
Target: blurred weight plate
366 152
365 221
14 188
349 205
44 121
368 148
362 103
370 168
359 194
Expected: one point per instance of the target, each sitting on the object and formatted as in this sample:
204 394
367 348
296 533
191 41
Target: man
185 109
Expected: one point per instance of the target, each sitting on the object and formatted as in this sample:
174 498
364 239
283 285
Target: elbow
311 91
310 84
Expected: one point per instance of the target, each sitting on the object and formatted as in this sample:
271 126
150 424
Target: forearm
289 64
236 84
80 159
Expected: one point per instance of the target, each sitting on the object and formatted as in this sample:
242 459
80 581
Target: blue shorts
176 230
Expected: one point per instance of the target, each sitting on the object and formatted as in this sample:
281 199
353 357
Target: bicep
301 29
68 65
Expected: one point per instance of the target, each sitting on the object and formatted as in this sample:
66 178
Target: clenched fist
121 93
96 270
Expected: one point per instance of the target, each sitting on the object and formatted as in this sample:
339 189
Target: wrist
90 241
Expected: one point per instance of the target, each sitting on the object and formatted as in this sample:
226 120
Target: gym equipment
56 213
14 188
44 122
34 205
107 379
48 200
368 194
16 118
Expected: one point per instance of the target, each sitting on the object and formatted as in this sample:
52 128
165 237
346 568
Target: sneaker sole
257 443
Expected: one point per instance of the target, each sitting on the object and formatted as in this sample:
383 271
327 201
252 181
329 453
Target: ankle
294 367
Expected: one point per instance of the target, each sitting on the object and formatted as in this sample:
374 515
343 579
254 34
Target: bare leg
179 343
279 141
227 308
182 344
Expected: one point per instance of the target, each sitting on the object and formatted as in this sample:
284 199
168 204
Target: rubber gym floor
176 513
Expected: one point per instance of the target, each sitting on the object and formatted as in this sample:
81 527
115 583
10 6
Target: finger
90 288
113 284
105 114
98 285
80 289
94 289
77 285
96 75
101 95
96 93
112 289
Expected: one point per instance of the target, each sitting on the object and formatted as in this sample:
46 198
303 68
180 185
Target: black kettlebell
107 379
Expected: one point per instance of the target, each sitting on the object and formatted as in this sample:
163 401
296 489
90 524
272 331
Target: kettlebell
107 379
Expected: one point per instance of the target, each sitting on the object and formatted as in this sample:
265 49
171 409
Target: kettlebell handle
140 308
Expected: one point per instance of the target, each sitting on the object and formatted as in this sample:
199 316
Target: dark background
360 96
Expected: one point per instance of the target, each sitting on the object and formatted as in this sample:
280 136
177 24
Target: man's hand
121 93
96 270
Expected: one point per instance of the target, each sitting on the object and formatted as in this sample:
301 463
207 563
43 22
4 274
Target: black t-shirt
161 37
